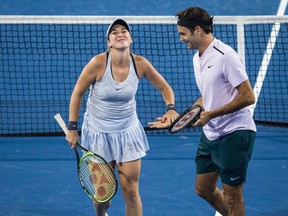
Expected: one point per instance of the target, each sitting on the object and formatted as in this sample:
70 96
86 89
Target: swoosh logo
209 66
233 179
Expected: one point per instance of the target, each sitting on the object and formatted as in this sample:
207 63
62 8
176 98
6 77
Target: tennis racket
94 173
185 119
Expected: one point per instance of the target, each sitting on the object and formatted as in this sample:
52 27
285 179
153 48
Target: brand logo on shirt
209 66
233 179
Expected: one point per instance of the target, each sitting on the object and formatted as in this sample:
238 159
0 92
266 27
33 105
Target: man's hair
195 16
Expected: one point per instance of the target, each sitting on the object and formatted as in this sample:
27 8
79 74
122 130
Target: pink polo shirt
217 72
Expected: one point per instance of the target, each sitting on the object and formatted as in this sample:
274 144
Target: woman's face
119 37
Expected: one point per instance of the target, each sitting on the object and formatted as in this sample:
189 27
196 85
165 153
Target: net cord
5 19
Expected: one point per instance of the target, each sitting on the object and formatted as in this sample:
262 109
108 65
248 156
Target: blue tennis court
38 174
38 177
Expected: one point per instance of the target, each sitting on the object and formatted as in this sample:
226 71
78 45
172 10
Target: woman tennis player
111 127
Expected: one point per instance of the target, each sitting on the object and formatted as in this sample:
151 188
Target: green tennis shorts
228 155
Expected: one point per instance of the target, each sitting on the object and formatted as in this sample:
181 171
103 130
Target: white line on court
268 54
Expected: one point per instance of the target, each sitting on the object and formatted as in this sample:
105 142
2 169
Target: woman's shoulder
140 60
100 56
99 60
138 57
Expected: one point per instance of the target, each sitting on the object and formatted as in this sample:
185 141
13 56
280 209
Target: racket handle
61 122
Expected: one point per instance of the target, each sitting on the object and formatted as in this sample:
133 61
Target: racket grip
61 122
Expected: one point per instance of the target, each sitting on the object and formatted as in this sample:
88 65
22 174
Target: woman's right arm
87 76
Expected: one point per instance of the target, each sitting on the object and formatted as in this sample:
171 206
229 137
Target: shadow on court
38 178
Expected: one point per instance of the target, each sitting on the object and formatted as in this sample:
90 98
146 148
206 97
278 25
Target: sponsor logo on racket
185 119
188 116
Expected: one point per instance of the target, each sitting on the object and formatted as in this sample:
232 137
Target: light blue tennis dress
111 127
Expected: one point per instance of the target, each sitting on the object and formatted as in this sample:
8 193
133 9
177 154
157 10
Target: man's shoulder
222 47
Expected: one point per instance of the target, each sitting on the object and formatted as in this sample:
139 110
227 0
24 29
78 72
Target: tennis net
41 58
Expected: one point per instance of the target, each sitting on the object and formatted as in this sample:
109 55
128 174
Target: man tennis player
228 136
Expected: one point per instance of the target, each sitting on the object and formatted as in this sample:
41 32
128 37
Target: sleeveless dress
111 127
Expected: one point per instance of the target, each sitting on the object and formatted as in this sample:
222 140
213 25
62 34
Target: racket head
185 119
96 176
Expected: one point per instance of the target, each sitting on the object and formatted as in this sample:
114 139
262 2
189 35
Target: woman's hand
72 138
165 121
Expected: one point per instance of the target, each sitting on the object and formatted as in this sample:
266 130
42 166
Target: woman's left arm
159 82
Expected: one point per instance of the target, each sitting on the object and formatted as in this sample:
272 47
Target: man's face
190 38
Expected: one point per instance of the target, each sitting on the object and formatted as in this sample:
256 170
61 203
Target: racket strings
98 178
